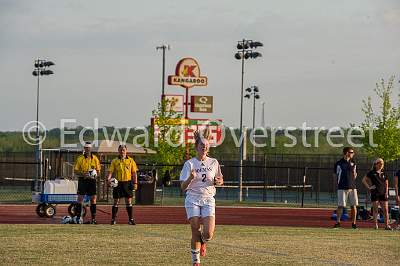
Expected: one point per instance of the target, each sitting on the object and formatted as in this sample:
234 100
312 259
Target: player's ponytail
201 136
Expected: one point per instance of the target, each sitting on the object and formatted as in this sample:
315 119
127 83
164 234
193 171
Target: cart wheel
72 208
40 209
50 211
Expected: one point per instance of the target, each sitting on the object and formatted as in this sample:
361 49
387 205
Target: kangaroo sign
187 74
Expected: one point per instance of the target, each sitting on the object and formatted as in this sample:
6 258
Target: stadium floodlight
253 91
48 63
255 54
245 51
255 44
41 69
243 45
46 72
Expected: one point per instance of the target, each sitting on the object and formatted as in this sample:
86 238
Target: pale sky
320 58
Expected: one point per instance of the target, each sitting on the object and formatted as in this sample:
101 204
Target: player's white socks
195 256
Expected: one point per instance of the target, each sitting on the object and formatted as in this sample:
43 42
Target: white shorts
348 194
199 206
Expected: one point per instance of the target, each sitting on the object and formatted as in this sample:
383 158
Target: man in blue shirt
345 172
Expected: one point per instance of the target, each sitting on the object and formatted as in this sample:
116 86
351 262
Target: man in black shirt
345 172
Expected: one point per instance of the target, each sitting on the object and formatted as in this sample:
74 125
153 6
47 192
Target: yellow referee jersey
122 168
85 163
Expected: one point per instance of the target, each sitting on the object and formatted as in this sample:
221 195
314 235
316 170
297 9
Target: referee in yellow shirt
84 166
124 170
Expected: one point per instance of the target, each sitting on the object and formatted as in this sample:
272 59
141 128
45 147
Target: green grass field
169 245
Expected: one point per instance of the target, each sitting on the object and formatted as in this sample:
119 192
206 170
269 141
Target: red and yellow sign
187 74
187 127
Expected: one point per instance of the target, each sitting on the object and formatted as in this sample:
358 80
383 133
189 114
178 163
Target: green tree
382 133
169 146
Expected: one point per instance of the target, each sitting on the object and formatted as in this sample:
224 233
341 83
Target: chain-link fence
278 179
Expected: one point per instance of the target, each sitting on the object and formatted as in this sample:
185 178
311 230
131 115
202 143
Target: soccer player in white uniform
198 178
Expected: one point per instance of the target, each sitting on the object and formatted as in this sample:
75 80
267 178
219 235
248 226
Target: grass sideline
169 245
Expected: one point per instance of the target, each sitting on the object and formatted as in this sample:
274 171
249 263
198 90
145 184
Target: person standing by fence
376 181
345 172
124 169
397 190
87 168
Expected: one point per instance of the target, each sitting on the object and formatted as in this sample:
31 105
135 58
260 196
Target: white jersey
206 171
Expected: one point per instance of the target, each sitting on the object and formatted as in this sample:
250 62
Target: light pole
263 115
245 51
163 48
41 69
253 91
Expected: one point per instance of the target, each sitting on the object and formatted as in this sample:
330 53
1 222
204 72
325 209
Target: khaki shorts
349 195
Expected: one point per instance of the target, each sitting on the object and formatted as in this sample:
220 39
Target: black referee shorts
123 190
87 186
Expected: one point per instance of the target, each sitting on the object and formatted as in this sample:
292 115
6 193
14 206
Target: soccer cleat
203 249
336 226
388 228
131 222
354 226
93 221
113 222
398 227
376 227
77 220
